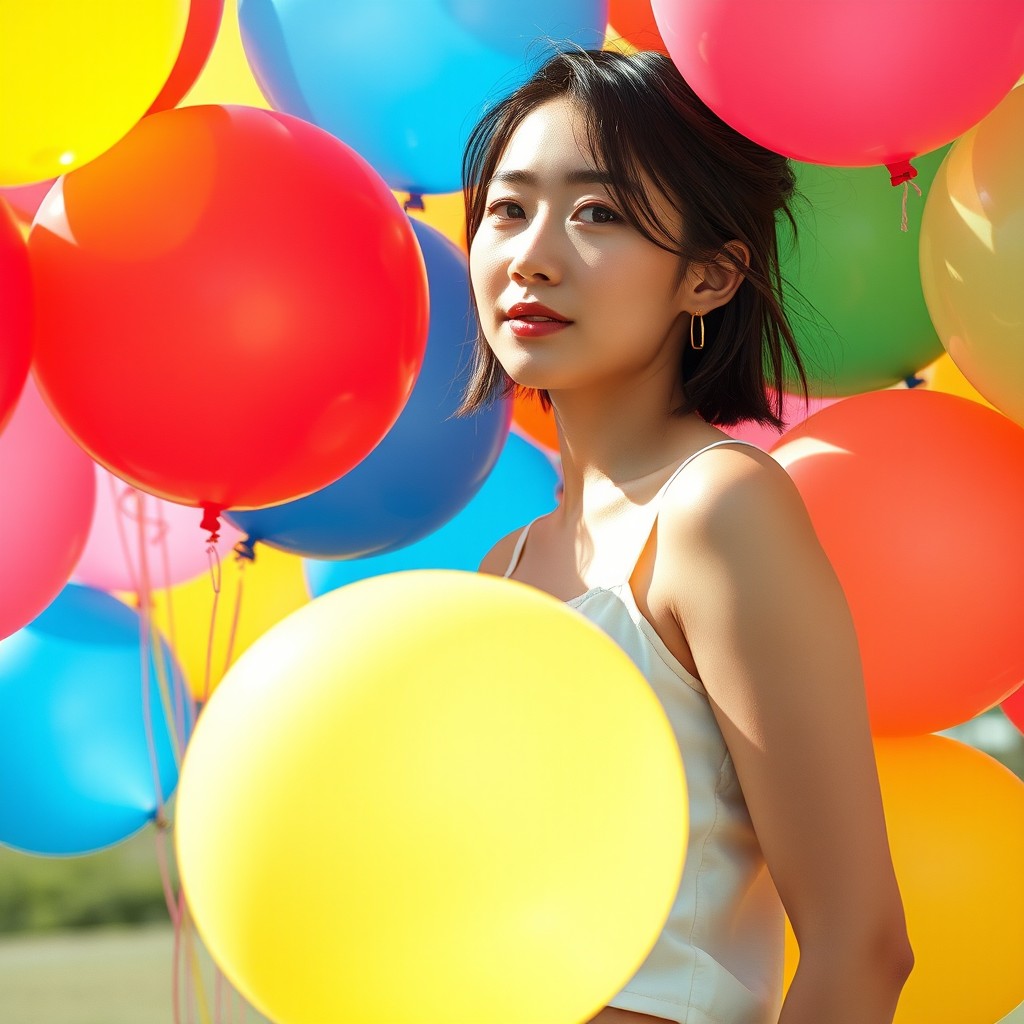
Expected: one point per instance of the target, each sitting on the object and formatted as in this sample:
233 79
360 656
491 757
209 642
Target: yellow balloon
227 77
943 375
432 797
271 587
76 76
972 255
955 818
445 212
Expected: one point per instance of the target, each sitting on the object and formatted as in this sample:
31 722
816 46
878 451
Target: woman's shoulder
730 490
497 560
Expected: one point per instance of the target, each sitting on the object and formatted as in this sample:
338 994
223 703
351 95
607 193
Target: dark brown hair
644 121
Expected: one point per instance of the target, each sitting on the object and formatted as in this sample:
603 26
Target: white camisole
719 957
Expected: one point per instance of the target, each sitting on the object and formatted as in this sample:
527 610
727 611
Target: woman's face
569 294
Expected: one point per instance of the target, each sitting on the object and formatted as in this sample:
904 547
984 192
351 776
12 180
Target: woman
624 266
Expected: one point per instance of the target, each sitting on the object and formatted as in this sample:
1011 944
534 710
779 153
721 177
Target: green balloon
867 326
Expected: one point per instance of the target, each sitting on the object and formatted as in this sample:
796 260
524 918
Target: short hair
644 121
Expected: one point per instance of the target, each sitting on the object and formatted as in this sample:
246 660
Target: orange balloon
916 497
634 21
955 820
531 418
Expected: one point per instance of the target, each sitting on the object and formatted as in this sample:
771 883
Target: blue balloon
522 485
428 466
75 768
402 83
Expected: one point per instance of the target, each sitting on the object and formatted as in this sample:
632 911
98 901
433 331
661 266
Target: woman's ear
714 284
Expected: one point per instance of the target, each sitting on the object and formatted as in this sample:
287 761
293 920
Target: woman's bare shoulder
496 561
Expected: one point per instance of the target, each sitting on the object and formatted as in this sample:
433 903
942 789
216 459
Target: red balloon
847 83
633 20
15 313
916 497
49 489
1013 708
200 34
231 306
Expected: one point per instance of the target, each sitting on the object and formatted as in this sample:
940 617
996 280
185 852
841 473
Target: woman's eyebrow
583 176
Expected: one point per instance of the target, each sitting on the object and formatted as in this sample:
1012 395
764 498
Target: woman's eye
598 215
507 210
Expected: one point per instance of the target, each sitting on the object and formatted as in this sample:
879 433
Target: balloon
200 34
851 84
634 21
49 492
175 546
1013 707
861 276
227 77
795 409
520 487
16 323
534 421
24 200
972 255
242 245
253 596
955 819
444 64
59 111
916 498
943 375
444 213
429 464
505 834
76 761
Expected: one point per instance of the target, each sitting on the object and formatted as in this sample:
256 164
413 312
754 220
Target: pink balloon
49 489
794 410
175 548
25 200
847 82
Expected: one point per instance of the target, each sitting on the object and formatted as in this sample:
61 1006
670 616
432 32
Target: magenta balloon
49 489
794 410
847 82
175 545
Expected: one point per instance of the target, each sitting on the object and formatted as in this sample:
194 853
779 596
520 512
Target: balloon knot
414 202
246 549
913 381
211 522
161 821
901 171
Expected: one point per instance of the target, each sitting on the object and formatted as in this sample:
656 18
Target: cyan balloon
428 466
521 486
75 768
402 83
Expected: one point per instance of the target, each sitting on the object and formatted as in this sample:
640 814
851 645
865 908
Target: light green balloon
867 326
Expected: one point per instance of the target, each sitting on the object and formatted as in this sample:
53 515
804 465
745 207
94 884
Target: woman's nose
535 256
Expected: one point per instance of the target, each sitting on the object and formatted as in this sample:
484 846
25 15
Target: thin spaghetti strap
701 451
665 486
518 550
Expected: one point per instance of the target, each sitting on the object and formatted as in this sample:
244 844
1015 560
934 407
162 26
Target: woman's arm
772 637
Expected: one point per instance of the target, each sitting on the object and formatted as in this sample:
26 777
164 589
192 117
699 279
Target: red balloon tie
901 171
211 522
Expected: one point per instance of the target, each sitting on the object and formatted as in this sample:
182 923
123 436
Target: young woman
624 266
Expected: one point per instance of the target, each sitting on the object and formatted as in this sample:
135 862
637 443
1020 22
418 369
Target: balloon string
215 579
163 827
906 190
242 559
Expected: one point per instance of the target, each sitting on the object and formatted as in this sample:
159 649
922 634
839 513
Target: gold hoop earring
693 341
